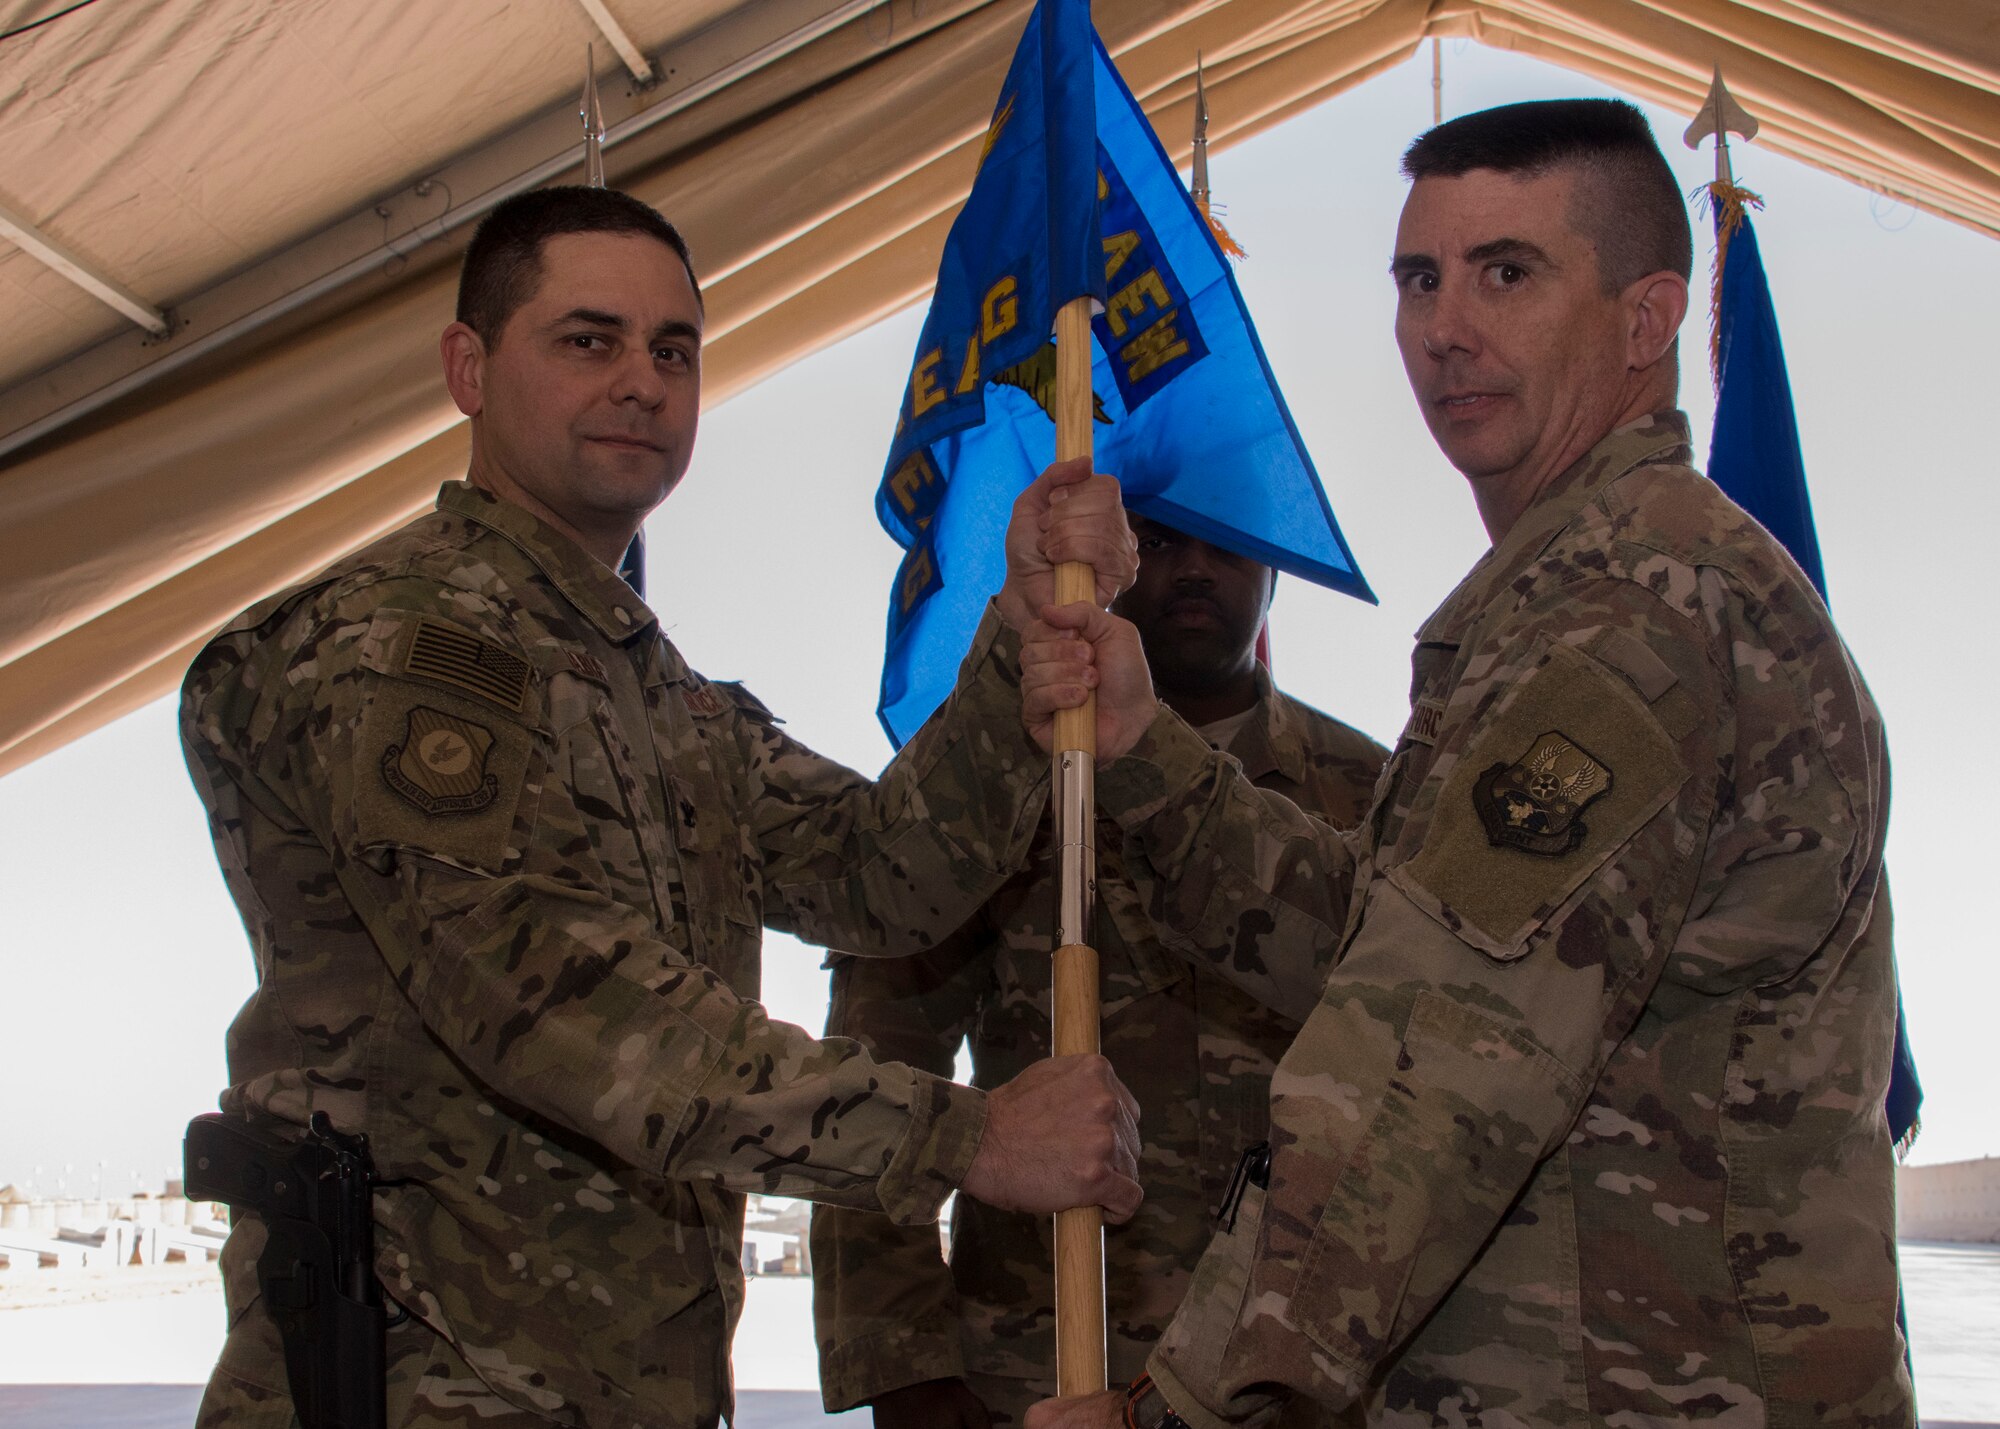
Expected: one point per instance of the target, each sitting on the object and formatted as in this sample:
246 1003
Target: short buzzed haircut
1630 206
503 263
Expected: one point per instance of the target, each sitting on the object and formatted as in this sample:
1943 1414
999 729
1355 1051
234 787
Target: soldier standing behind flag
504 858
973 1344
1586 1124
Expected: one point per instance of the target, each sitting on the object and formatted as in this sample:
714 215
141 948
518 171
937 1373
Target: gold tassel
1909 1140
1729 202
1223 239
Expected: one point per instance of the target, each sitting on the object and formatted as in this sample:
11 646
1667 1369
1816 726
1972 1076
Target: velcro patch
1506 846
441 764
589 667
479 667
1426 718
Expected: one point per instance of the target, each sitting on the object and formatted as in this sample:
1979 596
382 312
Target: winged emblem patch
1534 803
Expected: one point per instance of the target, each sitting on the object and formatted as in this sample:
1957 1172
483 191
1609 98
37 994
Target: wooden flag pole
1080 1351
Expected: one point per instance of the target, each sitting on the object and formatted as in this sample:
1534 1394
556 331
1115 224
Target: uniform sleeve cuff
1168 761
1198 1415
946 1121
858 1371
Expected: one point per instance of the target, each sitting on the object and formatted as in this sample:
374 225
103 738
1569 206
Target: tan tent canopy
284 186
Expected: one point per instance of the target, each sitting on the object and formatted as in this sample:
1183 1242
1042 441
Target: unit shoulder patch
441 764
1535 803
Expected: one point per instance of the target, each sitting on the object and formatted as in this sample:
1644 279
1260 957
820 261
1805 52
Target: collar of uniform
592 587
1661 437
1270 741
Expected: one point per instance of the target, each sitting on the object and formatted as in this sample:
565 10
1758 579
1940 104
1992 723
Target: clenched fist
1068 513
1069 652
1064 1133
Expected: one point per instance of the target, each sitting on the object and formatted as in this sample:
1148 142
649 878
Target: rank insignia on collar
1533 804
441 764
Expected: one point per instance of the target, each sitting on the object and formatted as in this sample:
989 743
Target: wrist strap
1136 1394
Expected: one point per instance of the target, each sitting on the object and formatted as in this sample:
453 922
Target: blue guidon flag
1075 197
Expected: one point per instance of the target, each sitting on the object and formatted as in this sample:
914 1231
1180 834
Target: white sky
121 959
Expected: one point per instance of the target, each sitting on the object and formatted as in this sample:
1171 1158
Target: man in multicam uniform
504 858
1585 1126
973 1344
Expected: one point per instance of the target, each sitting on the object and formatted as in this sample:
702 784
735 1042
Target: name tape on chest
1426 718
704 701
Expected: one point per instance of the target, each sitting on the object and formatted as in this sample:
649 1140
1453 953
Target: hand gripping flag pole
1077 224
1080 1346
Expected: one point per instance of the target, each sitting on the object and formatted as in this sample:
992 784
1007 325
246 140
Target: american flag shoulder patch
462 660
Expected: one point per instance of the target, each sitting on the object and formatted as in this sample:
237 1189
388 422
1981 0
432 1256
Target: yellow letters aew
1154 348
1117 248
1131 300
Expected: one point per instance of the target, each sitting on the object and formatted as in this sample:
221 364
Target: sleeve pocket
1470 1110
1559 777
436 746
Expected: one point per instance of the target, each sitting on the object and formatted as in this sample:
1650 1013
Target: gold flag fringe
1223 239
1730 202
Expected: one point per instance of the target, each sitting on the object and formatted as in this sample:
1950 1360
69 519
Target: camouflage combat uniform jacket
503 859
1195 1051
1585 1126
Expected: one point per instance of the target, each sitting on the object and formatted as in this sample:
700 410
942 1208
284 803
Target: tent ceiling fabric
171 142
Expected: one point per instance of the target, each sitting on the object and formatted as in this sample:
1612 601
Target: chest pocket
1014 1015
617 843
447 757
1131 963
704 768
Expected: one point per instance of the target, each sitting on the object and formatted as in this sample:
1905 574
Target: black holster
317 1272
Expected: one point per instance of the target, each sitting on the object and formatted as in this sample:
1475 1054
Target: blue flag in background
1075 197
1754 454
1754 457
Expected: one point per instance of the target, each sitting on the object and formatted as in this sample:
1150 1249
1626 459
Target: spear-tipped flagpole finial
593 122
1200 183
1720 116
1198 180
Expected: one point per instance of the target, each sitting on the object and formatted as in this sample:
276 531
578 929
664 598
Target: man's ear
1655 306
464 357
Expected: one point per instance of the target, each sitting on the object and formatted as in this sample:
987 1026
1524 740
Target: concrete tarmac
134 1363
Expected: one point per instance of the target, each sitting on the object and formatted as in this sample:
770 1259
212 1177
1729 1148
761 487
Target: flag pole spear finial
1721 116
1199 184
593 122
1198 179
